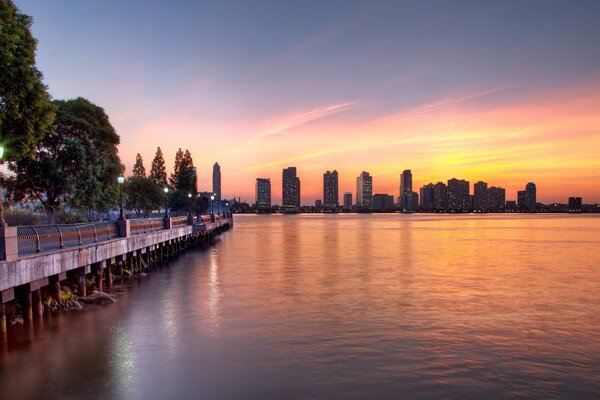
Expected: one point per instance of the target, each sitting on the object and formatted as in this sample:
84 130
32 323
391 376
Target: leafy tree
143 195
25 108
76 162
138 167
183 182
158 172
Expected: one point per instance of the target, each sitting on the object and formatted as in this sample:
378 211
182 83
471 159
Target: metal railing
39 238
145 225
177 222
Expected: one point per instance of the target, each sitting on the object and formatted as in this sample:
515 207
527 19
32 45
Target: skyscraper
496 199
290 188
348 201
480 197
263 193
440 197
459 198
521 202
330 190
530 197
217 181
383 202
428 197
364 190
405 187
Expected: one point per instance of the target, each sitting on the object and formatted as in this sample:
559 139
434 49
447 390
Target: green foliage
138 167
184 181
25 108
75 163
23 217
176 168
158 172
143 195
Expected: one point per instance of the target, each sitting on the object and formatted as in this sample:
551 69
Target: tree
143 195
25 108
183 182
175 175
138 167
158 172
75 163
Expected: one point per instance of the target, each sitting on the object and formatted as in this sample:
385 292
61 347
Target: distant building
575 204
348 201
521 203
330 190
440 197
428 197
511 206
364 190
290 187
530 197
263 193
412 201
217 181
318 204
480 197
405 188
459 198
383 202
496 199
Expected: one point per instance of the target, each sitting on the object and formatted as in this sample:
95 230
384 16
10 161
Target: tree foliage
25 108
183 180
176 168
158 172
138 167
143 195
75 163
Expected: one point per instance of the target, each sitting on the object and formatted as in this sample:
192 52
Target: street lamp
227 206
166 189
121 180
190 197
2 221
212 197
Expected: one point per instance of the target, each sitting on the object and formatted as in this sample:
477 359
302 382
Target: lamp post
166 189
226 206
2 221
190 197
212 198
121 180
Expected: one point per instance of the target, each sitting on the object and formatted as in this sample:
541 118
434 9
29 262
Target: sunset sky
505 92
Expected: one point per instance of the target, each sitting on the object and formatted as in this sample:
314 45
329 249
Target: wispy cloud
442 105
304 118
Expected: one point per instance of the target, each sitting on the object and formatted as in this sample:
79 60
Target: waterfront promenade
37 259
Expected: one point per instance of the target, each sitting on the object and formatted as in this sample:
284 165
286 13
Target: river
338 306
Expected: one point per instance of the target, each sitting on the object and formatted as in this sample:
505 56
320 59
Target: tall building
412 201
217 181
480 197
330 190
263 193
459 198
521 202
290 186
405 187
530 197
348 201
496 199
575 204
440 197
383 202
428 197
364 190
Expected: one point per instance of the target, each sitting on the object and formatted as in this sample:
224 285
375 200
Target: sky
505 92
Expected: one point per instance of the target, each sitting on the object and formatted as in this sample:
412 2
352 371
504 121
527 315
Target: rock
99 298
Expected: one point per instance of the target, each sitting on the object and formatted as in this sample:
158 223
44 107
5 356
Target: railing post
124 227
38 246
78 234
9 245
168 222
61 240
95 233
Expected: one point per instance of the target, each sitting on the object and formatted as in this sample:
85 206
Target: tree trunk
50 215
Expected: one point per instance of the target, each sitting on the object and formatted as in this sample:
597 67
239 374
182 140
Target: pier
38 258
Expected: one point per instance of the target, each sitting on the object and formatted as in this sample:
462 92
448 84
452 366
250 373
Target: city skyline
498 105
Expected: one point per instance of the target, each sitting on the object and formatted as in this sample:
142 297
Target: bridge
37 258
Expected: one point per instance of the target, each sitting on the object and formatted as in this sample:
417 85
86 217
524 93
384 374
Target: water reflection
339 306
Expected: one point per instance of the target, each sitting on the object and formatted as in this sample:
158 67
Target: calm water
341 306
